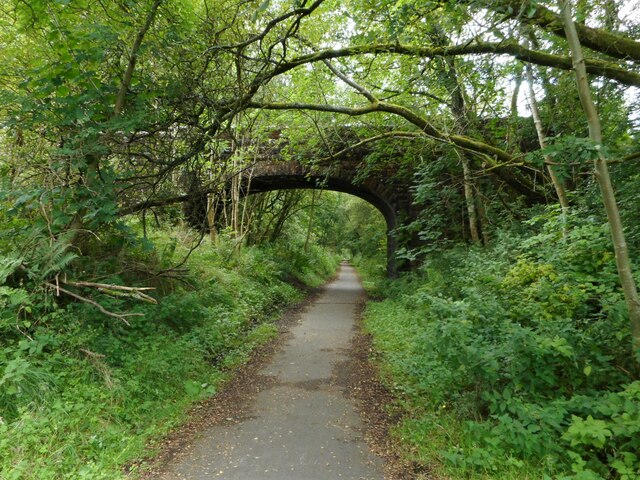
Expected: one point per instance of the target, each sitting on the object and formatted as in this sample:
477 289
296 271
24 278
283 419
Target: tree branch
300 12
117 290
496 158
612 44
404 112
382 136
128 75
119 316
509 47
363 91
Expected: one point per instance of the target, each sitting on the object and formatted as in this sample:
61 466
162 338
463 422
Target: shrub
526 359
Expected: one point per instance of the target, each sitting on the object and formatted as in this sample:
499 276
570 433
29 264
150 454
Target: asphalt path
302 426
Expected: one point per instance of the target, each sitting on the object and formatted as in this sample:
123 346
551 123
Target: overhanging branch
510 47
493 156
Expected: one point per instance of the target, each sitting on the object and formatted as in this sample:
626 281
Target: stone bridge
382 189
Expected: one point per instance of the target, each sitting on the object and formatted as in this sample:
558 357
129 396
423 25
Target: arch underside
263 184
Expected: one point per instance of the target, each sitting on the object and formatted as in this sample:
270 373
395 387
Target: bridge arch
262 182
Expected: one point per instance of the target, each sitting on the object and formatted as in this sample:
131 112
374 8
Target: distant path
301 425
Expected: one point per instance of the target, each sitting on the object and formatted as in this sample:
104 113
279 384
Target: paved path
302 426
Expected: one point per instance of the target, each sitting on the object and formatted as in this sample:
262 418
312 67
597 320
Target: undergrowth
82 395
514 361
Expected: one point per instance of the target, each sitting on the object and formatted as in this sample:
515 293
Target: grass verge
82 395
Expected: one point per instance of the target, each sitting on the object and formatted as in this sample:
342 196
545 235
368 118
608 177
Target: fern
58 259
8 265
45 259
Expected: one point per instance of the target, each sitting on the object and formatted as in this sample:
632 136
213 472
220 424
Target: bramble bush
514 361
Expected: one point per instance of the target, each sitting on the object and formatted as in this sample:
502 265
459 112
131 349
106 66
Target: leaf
590 432
192 388
63 91
261 8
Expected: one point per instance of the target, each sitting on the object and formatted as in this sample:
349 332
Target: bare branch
119 290
366 93
299 12
382 136
119 316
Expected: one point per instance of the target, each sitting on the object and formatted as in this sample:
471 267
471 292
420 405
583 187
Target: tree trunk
513 124
211 217
283 216
311 216
246 217
470 199
133 58
482 215
463 120
91 176
558 185
604 180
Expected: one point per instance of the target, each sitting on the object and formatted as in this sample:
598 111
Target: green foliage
339 222
605 438
522 350
81 394
521 340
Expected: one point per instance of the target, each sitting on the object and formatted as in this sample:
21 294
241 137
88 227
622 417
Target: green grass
84 395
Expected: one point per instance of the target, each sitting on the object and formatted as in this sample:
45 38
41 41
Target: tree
137 107
604 179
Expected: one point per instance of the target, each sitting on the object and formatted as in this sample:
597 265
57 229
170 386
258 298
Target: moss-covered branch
494 157
510 47
613 44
